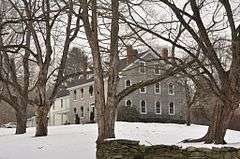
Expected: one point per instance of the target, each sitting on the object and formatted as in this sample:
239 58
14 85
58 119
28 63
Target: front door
92 113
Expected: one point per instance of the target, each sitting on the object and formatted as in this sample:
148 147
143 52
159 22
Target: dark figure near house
77 119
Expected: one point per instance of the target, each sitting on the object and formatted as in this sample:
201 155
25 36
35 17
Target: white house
59 113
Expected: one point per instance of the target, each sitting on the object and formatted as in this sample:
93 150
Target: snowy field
78 141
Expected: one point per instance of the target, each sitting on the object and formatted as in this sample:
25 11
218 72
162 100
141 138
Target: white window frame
155 88
169 109
144 66
141 107
126 102
173 89
159 72
125 83
156 107
144 89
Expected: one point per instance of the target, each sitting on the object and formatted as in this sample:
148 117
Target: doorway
92 113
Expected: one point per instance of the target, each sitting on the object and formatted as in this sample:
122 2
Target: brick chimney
131 54
164 53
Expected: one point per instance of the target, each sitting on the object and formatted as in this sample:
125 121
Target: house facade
161 102
60 111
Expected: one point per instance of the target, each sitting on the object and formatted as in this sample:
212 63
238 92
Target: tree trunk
222 115
221 118
188 115
106 123
21 117
41 121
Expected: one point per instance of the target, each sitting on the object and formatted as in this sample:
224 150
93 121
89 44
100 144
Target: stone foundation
127 149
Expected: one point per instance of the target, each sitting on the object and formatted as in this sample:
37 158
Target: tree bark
41 121
222 115
188 116
106 123
216 132
21 117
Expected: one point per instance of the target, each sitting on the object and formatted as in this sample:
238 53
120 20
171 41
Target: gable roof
123 63
80 81
62 91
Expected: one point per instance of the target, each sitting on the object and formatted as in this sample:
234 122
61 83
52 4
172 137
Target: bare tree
14 66
107 107
190 28
42 20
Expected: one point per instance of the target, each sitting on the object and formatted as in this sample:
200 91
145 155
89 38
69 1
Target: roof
122 64
62 91
80 82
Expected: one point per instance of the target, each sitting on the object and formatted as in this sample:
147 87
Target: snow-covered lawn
78 141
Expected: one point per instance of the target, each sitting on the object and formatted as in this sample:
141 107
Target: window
128 103
91 91
156 69
75 110
61 103
53 106
75 95
158 109
171 108
143 90
82 111
143 107
170 89
142 68
157 88
127 83
82 91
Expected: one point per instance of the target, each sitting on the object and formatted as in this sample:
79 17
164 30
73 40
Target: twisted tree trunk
222 115
41 121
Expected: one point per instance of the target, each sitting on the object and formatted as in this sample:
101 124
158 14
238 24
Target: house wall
58 114
151 97
132 73
86 101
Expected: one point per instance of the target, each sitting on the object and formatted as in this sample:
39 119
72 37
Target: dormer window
127 83
91 91
142 68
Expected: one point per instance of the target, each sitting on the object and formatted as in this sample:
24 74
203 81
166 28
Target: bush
128 114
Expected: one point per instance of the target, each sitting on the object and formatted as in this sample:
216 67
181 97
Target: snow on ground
78 141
